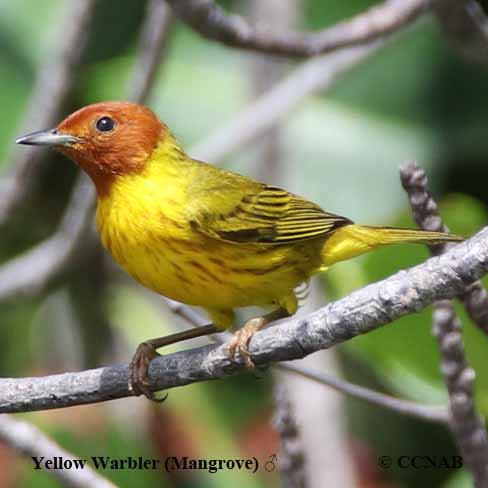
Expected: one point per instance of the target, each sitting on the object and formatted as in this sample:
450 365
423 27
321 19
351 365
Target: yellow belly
177 262
205 273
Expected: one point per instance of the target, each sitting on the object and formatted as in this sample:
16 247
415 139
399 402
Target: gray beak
47 138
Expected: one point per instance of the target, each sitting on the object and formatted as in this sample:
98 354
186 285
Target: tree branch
407 291
31 442
311 77
34 271
292 462
152 44
213 23
465 423
428 413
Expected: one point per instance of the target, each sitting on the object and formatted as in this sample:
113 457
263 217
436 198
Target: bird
199 234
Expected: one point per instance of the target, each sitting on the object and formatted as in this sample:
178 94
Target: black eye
105 124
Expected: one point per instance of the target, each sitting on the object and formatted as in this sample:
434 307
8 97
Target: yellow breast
142 223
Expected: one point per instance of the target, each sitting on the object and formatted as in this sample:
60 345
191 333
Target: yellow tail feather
352 240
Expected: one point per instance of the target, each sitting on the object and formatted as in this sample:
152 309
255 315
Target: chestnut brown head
106 139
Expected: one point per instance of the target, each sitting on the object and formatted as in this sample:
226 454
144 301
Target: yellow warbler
197 233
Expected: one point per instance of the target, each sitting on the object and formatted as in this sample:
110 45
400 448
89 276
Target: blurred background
416 98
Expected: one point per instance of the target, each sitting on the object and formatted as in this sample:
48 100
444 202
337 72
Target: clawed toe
138 371
146 351
240 343
241 339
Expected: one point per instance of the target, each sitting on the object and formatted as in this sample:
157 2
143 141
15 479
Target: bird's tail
352 240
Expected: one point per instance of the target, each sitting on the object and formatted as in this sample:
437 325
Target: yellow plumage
207 237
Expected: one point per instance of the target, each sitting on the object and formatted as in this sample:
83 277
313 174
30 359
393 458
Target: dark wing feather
270 215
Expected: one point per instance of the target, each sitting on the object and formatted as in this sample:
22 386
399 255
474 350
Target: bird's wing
246 211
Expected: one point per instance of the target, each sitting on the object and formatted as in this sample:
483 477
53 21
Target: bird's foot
242 337
138 371
146 352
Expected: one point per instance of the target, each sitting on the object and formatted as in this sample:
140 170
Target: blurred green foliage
414 99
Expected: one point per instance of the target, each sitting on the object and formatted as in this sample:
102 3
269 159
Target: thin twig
467 426
426 214
428 413
407 291
190 315
311 77
56 81
31 442
212 22
291 458
265 72
34 271
152 45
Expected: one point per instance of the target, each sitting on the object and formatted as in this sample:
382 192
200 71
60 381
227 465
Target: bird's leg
242 337
146 352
